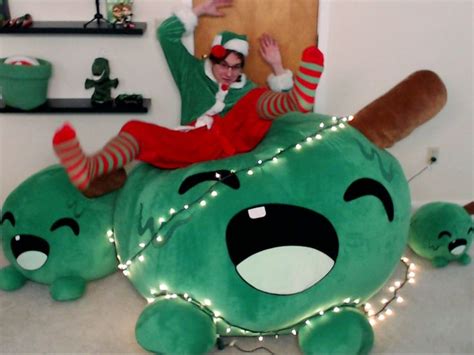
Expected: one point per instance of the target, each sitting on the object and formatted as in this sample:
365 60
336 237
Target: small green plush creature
101 83
52 234
441 232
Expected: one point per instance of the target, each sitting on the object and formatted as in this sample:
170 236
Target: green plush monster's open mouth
457 247
30 252
295 243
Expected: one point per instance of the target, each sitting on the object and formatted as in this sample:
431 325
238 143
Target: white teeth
458 250
257 212
32 260
17 237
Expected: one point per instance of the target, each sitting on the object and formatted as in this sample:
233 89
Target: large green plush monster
289 238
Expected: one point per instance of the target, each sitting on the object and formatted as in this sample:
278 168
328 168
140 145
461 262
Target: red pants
240 131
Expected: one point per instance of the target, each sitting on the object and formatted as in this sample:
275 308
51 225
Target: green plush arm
345 332
11 279
67 288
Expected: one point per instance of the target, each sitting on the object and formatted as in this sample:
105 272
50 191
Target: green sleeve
179 60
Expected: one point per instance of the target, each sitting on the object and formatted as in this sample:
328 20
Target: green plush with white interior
25 86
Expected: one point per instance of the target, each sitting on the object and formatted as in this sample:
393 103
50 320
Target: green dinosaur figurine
101 83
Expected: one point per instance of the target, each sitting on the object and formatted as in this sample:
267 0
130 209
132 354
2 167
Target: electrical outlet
433 155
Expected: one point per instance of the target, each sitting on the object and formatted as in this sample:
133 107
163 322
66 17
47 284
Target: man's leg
83 169
153 144
301 97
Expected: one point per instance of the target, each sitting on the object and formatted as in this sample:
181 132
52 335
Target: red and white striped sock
301 96
81 168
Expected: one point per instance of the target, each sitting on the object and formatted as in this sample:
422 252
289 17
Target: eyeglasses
234 68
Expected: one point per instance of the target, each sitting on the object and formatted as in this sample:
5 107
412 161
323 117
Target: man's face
229 70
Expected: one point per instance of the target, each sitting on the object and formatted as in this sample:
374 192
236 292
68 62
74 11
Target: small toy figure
102 83
441 232
24 21
117 14
127 15
124 100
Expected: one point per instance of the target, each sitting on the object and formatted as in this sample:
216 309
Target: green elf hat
229 40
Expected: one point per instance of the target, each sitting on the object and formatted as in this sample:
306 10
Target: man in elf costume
224 113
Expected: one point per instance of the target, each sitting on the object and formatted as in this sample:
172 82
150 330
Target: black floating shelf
76 27
79 106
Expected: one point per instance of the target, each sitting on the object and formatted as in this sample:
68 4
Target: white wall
370 46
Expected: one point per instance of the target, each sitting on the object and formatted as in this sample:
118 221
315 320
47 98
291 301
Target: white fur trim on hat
238 45
188 18
235 44
282 82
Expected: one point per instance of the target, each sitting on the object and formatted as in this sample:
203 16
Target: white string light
394 289
373 316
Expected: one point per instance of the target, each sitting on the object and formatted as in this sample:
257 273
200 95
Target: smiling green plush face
50 230
311 217
441 230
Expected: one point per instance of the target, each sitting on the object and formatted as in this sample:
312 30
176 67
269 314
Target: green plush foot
67 288
465 259
440 262
175 327
345 332
11 279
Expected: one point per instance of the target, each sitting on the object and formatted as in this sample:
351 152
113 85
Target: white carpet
436 318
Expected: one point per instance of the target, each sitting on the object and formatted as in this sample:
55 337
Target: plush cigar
470 208
408 105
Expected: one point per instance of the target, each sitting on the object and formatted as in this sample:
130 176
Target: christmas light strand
365 308
381 314
217 316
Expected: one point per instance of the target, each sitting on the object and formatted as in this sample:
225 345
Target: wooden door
292 22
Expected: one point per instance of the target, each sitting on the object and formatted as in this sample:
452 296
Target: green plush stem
465 259
11 279
345 332
67 288
174 326
440 262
